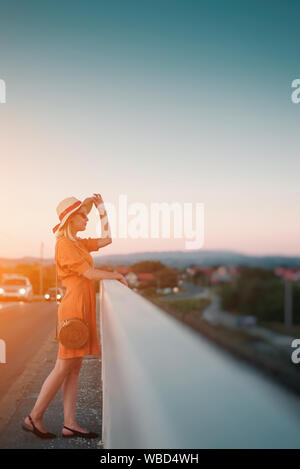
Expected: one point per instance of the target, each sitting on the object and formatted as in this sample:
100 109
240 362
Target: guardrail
166 386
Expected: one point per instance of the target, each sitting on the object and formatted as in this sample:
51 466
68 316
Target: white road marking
11 304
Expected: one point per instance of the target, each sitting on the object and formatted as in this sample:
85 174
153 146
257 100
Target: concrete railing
166 386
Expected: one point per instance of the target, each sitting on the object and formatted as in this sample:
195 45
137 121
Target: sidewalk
22 395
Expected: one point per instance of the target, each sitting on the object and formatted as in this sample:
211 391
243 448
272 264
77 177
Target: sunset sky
164 101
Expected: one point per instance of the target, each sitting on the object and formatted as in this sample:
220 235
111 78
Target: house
193 271
145 279
164 291
221 274
132 279
292 274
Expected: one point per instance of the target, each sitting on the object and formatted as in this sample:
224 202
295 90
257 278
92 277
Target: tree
258 292
200 278
166 277
147 267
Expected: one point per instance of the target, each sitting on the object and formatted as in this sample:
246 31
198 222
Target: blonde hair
65 231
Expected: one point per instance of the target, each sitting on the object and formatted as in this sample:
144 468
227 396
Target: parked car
16 287
51 292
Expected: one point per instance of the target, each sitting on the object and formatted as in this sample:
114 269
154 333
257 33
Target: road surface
24 327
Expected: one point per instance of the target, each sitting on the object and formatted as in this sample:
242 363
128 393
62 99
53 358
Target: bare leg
70 391
49 389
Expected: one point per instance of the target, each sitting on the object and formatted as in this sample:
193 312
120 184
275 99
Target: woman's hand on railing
110 274
121 279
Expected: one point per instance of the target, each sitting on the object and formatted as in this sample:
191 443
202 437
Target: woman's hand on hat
97 199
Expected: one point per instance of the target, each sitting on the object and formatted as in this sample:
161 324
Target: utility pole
41 269
288 302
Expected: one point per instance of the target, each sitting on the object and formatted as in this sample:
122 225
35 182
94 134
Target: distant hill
183 259
178 259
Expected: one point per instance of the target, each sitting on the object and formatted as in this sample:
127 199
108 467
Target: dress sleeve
91 244
69 258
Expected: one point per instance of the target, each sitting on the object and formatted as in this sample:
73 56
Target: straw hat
68 206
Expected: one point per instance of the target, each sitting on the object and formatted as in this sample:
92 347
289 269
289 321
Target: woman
76 269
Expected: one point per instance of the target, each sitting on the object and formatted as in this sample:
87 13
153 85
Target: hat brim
88 202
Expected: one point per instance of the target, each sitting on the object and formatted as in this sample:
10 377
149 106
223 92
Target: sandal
81 434
36 431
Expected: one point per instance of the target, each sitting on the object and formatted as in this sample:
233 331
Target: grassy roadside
184 306
276 326
293 331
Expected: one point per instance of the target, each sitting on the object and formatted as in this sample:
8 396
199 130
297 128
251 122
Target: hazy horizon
102 253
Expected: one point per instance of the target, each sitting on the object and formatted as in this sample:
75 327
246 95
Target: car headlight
1 290
22 291
47 296
58 296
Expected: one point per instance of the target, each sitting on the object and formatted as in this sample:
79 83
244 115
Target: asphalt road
24 327
192 291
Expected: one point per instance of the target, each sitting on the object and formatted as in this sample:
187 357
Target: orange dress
72 259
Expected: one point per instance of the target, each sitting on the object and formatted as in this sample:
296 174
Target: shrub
260 294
